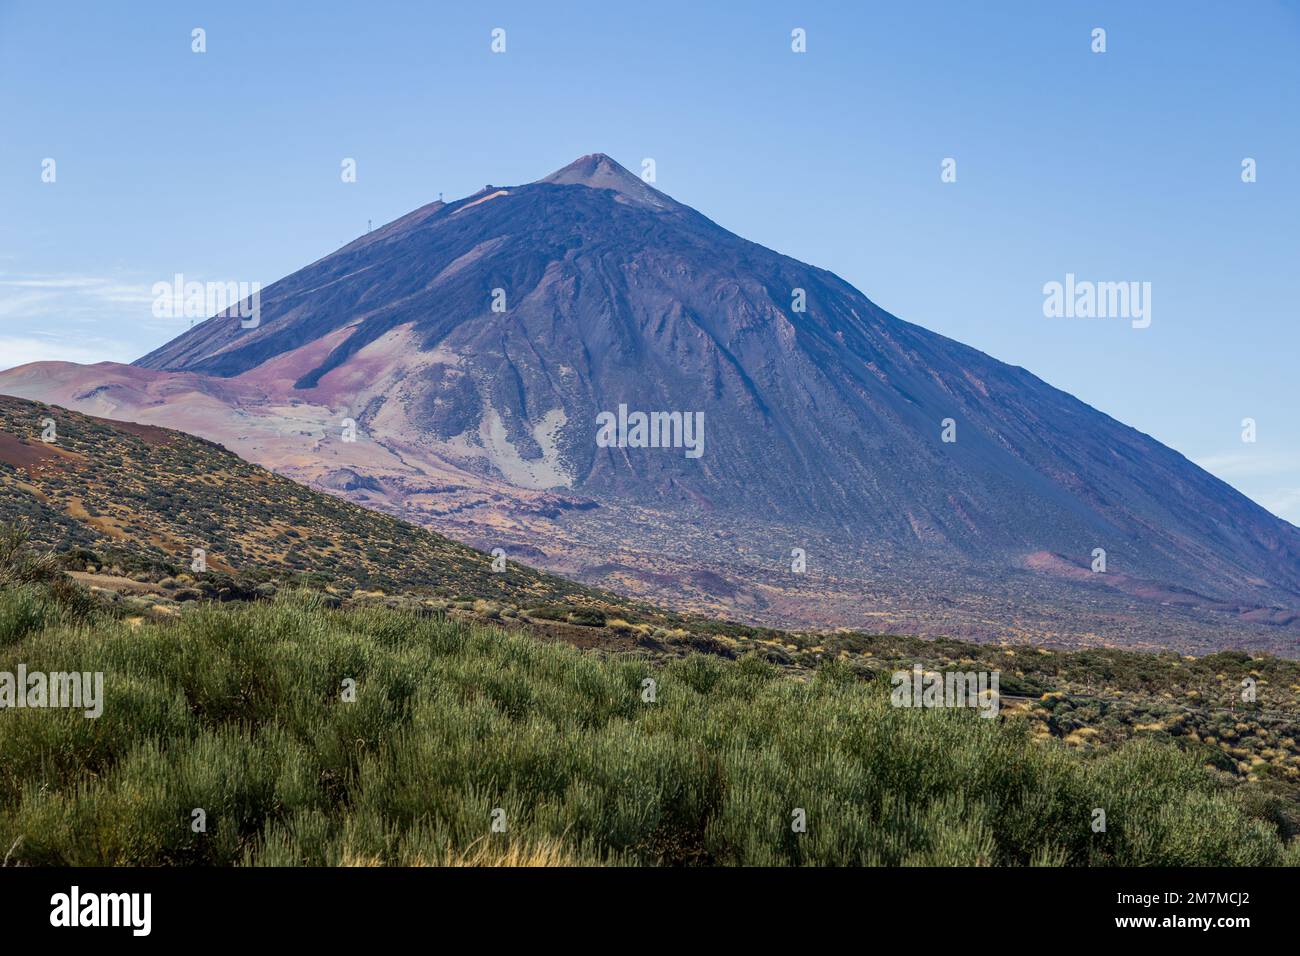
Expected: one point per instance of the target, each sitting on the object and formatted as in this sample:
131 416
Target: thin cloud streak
20 350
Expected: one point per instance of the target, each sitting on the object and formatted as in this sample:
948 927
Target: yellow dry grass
491 853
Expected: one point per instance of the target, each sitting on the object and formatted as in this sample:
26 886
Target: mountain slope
150 495
823 427
617 295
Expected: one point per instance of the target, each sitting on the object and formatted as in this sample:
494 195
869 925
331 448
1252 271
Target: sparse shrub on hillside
21 564
836 672
587 617
548 612
32 583
24 610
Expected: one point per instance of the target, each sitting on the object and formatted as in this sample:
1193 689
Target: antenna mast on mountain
370 224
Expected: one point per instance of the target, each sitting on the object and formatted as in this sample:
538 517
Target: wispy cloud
77 318
1284 502
42 297
1266 477
1250 464
21 349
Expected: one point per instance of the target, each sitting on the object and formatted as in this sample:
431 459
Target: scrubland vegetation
134 499
239 709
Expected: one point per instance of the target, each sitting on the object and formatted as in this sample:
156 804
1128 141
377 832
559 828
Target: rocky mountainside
480 345
144 497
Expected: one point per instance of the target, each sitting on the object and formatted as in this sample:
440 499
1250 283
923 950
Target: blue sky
1119 166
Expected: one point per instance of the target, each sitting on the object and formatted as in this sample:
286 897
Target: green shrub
318 736
549 612
587 617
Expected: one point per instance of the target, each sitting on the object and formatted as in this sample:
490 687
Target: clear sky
1115 166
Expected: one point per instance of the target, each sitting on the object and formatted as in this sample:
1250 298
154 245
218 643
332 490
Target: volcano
478 347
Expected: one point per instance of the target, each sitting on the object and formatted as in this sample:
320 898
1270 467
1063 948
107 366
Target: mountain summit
598 171
478 345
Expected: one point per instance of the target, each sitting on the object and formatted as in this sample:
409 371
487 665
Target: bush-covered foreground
238 709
